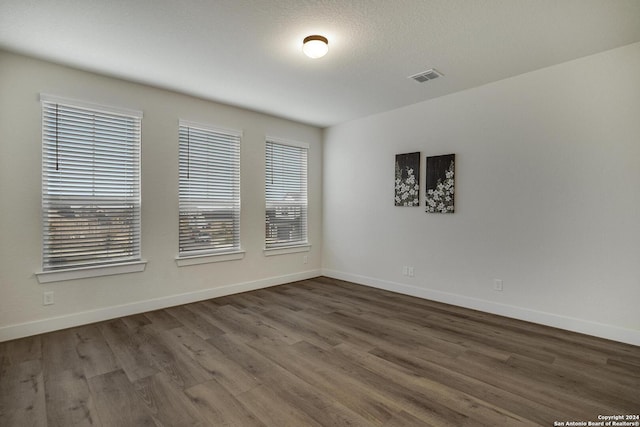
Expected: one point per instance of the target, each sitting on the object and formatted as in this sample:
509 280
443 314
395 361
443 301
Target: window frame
212 254
70 271
302 245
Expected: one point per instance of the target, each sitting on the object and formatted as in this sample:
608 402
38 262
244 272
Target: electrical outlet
305 259
405 270
411 272
47 298
497 285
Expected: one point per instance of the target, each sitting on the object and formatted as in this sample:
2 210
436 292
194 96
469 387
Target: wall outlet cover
47 298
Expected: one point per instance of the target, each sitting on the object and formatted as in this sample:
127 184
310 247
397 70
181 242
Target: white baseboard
629 336
85 317
614 333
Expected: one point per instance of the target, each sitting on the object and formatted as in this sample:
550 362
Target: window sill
184 261
287 250
86 272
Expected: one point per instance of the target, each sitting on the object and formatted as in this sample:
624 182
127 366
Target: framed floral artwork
407 182
440 183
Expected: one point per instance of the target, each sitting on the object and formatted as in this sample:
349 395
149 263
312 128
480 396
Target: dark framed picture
407 181
440 184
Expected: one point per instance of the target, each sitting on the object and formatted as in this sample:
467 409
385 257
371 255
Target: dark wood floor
315 353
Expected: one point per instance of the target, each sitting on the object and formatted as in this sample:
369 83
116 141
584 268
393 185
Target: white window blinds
90 184
286 194
209 190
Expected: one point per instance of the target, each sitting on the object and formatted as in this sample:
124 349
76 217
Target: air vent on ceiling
426 75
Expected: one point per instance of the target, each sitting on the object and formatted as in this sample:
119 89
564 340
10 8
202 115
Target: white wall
547 197
162 283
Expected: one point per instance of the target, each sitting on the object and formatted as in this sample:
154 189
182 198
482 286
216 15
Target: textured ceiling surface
248 53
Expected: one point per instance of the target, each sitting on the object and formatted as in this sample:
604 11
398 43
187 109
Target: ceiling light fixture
315 46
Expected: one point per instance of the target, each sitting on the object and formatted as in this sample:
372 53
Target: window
90 184
286 194
209 190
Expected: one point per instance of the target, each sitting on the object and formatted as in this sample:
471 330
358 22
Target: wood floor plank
620 399
20 350
412 401
477 336
216 364
628 360
405 419
266 358
236 349
163 352
59 352
125 345
188 315
274 297
601 373
288 320
338 331
479 410
166 403
256 304
242 324
415 363
117 402
252 327
136 321
161 320
323 407
273 411
220 408
369 404
287 388
94 352
627 368
433 338
321 301
69 401
499 374
4 356
22 395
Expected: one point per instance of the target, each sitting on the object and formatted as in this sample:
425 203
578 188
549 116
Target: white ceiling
248 52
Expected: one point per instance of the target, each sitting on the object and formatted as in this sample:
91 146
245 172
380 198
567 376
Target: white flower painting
407 181
440 184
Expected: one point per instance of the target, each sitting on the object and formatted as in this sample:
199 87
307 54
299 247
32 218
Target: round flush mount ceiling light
315 46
